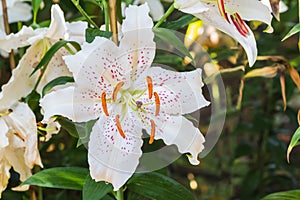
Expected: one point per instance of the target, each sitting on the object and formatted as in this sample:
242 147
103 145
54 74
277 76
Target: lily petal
19 12
3 131
20 84
179 92
72 104
181 132
213 17
57 28
4 173
76 31
137 45
191 6
111 157
156 8
23 121
246 8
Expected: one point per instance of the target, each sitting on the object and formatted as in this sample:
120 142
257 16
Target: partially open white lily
117 85
40 39
228 16
18 143
282 6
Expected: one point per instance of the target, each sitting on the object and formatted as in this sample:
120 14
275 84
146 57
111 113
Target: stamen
19 136
116 90
221 7
237 25
157 103
241 23
119 126
152 131
104 104
150 86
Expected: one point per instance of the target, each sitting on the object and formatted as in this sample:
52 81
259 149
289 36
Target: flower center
130 98
236 19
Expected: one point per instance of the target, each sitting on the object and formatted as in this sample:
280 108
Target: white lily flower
117 85
228 16
18 143
40 39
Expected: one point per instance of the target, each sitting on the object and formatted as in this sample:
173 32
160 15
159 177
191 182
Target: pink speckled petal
20 84
137 46
112 158
71 102
20 39
55 69
98 69
181 132
179 92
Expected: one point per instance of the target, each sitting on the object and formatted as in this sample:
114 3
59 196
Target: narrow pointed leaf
293 31
60 177
58 81
293 143
167 36
50 53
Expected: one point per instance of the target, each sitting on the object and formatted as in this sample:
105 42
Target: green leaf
58 81
60 177
33 100
35 7
294 142
293 31
50 53
287 195
91 33
79 130
158 186
169 35
179 23
95 190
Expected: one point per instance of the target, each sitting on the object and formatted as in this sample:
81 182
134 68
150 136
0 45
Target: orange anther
104 105
221 7
19 136
116 90
152 131
150 86
157 103
119 126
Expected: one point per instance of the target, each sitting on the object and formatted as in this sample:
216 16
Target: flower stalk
7 31
113 20
165 16
87 17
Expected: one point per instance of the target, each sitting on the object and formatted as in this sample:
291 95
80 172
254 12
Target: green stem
120 194
87 17
164 17
106 15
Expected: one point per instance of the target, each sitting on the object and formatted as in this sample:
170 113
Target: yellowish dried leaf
282 83
267 72
295 76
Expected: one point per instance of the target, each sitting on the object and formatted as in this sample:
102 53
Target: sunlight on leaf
287 195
